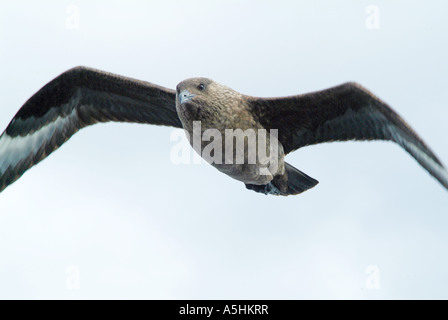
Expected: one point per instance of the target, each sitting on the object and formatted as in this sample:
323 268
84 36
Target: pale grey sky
109 211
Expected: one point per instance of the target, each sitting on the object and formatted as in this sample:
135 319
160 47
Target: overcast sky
110 216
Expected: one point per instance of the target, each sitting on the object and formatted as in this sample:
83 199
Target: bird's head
199 97
197 88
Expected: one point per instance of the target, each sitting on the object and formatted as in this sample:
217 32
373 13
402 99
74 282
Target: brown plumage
83 96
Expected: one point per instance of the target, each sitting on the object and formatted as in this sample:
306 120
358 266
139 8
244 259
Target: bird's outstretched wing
78 98
342 113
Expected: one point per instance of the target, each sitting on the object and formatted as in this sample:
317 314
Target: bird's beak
185 96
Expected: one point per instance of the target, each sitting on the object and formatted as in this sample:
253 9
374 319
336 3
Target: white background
110 216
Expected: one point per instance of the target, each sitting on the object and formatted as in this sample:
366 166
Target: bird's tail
292 182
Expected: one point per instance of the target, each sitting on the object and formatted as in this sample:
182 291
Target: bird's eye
201 86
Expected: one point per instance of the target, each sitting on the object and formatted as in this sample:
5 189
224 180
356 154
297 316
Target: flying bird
82 96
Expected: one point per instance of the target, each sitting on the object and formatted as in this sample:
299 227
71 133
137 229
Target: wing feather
78 98
342 113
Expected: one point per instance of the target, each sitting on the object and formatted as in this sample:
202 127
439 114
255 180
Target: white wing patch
422 157
438 170
376 118
15 149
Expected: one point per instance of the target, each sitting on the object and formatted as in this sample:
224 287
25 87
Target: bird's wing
342 113
78 98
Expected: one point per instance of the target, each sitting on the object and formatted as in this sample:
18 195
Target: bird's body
226 109
82 96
